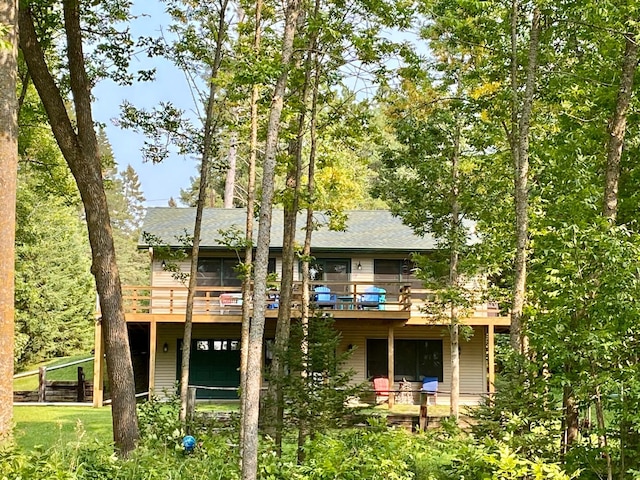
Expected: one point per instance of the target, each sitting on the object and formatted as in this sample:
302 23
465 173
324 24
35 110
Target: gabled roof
367 230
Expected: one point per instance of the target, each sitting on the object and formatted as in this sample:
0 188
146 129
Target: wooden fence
79 390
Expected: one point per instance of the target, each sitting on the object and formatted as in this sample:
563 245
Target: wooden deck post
42 384
424 416
153 341
81 385
191 402
98 363
491 357
391 358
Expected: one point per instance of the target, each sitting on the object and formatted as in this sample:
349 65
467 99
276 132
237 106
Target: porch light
165 347
359 266
163 264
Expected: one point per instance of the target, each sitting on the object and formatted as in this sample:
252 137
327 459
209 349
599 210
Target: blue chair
373 298
430 388
324 298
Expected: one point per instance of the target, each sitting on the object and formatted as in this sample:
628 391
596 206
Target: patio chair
323 297
273 300
230 301
381 387
430 388
373 298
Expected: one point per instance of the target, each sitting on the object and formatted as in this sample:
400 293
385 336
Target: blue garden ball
189 443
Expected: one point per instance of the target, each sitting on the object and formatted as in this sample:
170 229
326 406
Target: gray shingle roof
366 230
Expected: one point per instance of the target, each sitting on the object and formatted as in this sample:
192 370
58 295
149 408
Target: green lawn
45 426
67 373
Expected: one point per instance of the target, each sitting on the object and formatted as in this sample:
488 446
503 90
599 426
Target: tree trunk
602 434
453 278
304 428
519 139
618 127
275 416
81 153
571 419
248 253
292 195
8 185
205 165
256 331
230 179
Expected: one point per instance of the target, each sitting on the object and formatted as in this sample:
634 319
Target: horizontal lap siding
472 353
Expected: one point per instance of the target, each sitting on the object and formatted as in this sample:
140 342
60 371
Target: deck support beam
98 365
391 360
153 341
491 357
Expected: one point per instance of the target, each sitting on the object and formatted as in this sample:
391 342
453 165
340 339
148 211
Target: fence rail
78 390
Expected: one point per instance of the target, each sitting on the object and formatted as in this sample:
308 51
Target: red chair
381 387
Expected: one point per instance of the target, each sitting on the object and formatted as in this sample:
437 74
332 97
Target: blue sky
161 181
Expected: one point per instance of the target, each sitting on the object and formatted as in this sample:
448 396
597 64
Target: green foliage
524 414
126 210
159 423
316 388
371 452
55 296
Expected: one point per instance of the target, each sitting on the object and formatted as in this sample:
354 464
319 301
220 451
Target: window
329 269
215 272
414 359
393 270
219 272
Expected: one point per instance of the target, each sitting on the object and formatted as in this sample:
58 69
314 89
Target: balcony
343 300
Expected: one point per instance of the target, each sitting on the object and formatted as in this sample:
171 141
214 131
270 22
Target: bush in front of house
374 452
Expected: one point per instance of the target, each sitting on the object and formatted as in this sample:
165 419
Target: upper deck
394 301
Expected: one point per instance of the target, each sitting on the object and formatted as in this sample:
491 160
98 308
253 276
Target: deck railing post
42 384
191 403
81 385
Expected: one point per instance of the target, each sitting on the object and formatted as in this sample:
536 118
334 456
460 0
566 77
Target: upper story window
329 269
222 272
216 272
394 270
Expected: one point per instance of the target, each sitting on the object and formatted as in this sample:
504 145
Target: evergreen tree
55 293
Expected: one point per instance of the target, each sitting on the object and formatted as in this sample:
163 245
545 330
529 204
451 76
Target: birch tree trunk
303 426
256 331
454 410
519 139
618 127
292 195
205 166
248 252
230 179
8 185
617 131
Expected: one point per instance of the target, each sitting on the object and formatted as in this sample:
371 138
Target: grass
219 406
67 373
46 426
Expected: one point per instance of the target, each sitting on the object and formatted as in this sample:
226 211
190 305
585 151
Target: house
362 276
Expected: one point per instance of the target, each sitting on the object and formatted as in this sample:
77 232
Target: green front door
214 363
